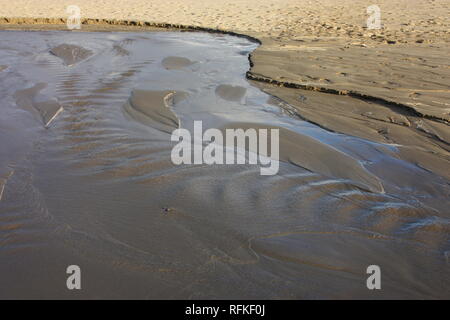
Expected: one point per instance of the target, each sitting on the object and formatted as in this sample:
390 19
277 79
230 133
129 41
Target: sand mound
176 63
154 108
71 54
230 93
44 108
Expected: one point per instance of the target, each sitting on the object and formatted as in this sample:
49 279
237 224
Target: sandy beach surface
318 45
85 171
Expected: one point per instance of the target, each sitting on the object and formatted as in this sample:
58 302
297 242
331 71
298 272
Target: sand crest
154 108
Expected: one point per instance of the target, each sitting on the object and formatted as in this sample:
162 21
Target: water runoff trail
86 178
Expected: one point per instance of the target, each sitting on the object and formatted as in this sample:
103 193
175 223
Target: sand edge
97 24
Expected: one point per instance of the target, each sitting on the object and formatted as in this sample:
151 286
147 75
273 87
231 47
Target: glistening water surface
86 179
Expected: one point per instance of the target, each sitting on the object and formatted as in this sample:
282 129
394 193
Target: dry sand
403 19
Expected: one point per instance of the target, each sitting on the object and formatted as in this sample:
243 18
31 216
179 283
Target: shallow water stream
86 178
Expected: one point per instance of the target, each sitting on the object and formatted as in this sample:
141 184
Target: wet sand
364 180
97 187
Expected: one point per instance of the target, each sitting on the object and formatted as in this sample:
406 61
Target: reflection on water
97 188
